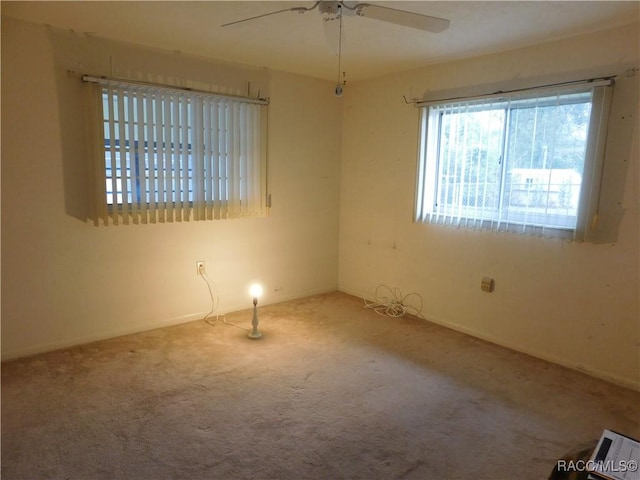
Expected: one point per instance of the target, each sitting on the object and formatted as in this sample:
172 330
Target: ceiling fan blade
402 17
293 9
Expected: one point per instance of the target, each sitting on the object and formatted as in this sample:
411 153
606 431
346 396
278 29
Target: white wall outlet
200 270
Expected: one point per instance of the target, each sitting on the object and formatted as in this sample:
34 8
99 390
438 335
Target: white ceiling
299 43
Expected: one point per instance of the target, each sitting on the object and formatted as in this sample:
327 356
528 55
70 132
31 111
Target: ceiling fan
367 10
334 10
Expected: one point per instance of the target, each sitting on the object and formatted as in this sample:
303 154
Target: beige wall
575 304
65 281
62 284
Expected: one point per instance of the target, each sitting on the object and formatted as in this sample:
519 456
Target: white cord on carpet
215 302
391 303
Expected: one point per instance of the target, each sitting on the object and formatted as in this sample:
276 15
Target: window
526 162
175 155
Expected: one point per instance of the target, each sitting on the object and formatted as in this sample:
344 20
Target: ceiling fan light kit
333 10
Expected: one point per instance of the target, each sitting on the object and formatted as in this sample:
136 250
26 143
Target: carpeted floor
332 391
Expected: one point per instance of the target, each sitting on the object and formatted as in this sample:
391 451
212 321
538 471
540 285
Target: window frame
427 176
168 132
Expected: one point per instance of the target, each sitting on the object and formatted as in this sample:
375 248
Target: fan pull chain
338 90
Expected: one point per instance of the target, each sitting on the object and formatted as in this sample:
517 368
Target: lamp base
255 335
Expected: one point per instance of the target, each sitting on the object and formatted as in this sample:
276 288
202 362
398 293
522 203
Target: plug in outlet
200 270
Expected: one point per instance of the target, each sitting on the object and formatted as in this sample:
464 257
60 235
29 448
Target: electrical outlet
200 270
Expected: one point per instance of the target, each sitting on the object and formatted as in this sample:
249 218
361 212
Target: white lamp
255 290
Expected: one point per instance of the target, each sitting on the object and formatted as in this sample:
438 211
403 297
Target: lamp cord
215 302
340 44
393 304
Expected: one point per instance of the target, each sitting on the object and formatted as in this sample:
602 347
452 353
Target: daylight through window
526 163
174 155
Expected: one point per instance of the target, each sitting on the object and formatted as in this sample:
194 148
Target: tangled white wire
391 303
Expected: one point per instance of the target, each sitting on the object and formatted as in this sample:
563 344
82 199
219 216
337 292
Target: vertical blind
528 163
165 155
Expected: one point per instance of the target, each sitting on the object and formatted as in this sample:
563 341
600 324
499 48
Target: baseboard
564 362
278 298
14 354
105 335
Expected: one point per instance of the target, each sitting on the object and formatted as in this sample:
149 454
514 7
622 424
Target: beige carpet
332 391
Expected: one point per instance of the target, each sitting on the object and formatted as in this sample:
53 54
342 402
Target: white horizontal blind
525 163
170 155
